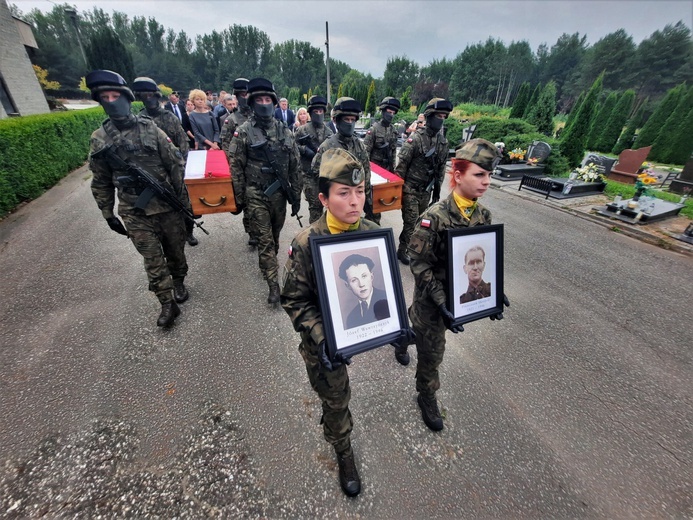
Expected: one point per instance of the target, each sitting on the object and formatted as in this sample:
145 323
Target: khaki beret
340 166
480 152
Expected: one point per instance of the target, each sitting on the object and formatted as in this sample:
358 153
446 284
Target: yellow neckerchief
465 205
336 226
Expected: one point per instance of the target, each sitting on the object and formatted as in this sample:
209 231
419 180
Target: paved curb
667 242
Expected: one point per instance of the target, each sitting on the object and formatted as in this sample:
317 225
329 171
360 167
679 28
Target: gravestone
602 162
539 150
468 133
685 179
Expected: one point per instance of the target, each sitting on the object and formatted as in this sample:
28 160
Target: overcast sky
364 33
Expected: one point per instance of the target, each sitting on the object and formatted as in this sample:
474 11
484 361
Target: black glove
116 225
324 358
240 206
436 192
405 339
448 319
295 208
308 152
499 316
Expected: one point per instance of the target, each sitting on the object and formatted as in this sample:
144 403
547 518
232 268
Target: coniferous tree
663 148
544 109
626 139
370 100
521 101
106 51
574 110
613 127
681 145
532 101
600 119
648 133
573 140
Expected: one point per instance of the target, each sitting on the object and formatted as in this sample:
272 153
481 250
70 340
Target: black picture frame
469 304
339 305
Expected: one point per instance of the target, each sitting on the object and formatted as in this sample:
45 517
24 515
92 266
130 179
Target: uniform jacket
172 127
247 163
381 145
299 295
150 148
233 121
414 167
317 136
428 247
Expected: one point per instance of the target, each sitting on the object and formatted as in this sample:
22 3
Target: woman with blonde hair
301 118
205 126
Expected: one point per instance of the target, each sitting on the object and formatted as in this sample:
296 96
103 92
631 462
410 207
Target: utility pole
72 14
327 46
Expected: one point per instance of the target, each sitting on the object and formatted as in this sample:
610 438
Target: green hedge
37 151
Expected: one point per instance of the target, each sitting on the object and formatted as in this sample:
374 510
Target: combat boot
180 293
430 413
273 296
348 475
403 257
169 313
402 356
192 240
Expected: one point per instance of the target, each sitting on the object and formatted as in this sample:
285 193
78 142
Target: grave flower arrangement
589 173
642 184
532 161
517 154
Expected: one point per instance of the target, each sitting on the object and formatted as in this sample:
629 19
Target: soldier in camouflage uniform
381 139
309 137
239 116
345 113
422 166
342 191
147 91
470 178
157 232
262 149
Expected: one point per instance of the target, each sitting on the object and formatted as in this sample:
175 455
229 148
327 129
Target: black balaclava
242 101
119 111
317 119
434 123
387 118
345 129
263 113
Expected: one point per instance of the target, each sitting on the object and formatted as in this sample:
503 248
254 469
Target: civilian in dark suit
285 114
175 105
357 272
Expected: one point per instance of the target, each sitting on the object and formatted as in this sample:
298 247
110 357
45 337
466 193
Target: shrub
453 131
494 129
39 150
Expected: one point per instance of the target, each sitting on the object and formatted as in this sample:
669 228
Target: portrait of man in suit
474 265
284 114
371 303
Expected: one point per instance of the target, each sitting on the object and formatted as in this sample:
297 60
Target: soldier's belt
416 187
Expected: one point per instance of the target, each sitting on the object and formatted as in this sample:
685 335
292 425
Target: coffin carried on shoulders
208 178
387 189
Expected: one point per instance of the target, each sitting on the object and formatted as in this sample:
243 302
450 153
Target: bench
541 184
629 162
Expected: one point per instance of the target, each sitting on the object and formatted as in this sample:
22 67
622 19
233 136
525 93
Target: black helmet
261 86
99 80
438 106
346 106
240 85
145 84
391 103
317 102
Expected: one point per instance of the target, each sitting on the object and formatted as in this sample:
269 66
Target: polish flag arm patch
425 223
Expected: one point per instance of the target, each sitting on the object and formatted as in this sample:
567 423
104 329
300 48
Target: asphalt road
576 405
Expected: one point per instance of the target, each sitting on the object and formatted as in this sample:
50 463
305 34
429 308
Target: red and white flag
206 163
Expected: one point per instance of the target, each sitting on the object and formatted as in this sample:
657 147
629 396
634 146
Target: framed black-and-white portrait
475 272
360 290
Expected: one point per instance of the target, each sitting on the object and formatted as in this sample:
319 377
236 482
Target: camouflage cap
340 166
479 151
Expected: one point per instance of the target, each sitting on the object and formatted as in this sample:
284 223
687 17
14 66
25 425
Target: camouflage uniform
414 168
300 300
381 145
172 127
354 146
429 261
157 232
316 136
267 214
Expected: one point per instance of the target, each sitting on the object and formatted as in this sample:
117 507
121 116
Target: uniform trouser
267 216
160 239
430 345
311 191
334 392
414 203
246 222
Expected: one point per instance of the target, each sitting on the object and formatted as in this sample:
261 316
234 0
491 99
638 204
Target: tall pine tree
661 148
532 101
574 111
681 145
106 51
544 109
626 139
600 120
613 127
521 101
648 133
573 139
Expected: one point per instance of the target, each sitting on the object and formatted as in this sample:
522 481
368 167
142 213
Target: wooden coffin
387 189
208 178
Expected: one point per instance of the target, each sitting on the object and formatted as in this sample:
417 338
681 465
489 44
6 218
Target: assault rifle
306 140
281 182
152 186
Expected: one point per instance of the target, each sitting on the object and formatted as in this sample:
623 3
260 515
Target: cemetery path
576 405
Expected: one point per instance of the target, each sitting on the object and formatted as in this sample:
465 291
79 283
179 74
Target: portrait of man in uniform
356 271
474 265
